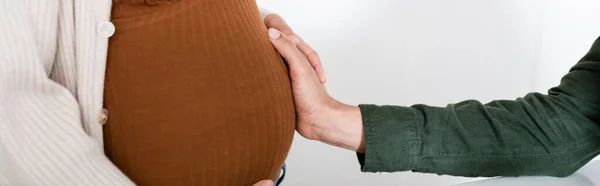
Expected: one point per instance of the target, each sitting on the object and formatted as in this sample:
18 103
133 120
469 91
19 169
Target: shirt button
103 116
106 29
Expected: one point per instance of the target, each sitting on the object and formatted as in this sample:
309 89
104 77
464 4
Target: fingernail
274 33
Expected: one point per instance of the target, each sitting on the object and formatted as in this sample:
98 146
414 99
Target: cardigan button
106 29
103 116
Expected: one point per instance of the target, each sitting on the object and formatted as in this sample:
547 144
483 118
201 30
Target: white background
435 52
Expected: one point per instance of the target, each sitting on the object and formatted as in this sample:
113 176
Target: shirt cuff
264 13
392 139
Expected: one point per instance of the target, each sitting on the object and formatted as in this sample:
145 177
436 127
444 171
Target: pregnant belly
196 95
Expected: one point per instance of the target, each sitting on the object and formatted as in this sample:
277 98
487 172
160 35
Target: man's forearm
538 134
344 128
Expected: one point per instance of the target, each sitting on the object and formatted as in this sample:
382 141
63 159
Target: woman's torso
196 94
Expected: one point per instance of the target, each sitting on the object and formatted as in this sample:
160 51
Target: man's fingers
276 22
264 183
313 57
287 48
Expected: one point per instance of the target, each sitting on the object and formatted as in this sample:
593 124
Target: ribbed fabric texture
51 74
196 94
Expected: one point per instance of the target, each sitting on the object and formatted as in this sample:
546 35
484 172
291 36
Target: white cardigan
52 65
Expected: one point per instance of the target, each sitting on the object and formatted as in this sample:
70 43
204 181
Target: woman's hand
320 117
264 183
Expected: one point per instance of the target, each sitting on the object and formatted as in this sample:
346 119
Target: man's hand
264 183
320 117
275 21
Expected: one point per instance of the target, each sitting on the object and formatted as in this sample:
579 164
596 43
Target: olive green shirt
553 134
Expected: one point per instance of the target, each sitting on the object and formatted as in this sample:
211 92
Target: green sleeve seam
369 143
415 153
585 143
415 156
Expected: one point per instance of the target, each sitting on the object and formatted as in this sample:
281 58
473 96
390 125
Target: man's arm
552 134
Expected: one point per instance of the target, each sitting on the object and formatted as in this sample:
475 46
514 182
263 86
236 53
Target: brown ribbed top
196 94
